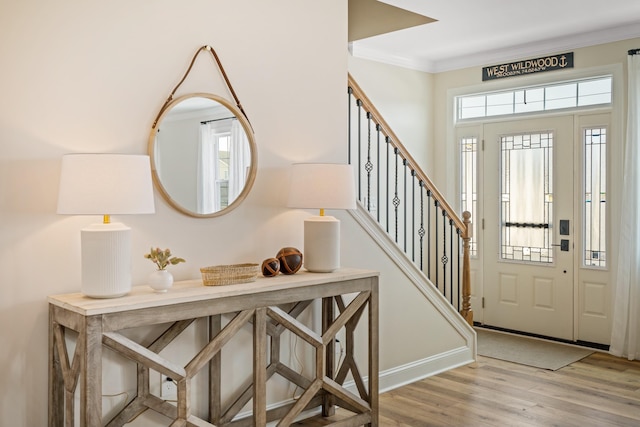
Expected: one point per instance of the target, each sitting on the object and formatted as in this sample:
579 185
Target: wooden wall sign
528 66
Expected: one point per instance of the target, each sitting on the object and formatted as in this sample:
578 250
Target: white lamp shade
105 184
322 186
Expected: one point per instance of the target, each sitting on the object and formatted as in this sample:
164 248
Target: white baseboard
399 376
420 369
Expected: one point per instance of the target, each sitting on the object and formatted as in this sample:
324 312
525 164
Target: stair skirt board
417 370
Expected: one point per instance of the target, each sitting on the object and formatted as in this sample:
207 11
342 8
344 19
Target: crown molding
512 53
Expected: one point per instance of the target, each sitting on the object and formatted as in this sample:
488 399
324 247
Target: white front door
528 246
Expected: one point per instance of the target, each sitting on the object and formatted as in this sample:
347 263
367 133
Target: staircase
398 199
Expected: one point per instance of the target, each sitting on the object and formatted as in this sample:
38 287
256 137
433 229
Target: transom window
593 91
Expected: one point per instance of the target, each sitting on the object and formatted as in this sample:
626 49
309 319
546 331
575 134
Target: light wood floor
600 390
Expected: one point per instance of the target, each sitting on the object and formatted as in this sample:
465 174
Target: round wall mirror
203 155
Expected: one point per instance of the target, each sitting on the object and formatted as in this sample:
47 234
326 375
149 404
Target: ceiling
467 33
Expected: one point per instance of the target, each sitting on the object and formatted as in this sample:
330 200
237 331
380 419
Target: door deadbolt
564 245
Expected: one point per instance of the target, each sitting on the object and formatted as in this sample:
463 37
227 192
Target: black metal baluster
413 215
378 129
396 200
451 252
359 104
349 92
421 231
368 166
429 234
436 204
458 232
405 208
444 258
388 140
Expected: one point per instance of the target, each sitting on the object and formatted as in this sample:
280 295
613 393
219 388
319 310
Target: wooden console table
271 305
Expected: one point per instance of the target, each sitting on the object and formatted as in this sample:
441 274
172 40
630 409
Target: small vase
160 280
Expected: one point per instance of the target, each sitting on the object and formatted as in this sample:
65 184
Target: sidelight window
469 185
595 197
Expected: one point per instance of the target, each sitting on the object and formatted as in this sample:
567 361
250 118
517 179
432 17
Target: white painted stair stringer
401 375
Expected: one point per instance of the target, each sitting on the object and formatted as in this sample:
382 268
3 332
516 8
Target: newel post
466 311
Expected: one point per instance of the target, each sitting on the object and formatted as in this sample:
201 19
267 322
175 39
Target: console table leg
91 368
373 352
260 367
184 399
56 382
215 372
328 315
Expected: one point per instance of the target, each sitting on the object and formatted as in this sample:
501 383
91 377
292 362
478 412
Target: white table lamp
322 186
105 184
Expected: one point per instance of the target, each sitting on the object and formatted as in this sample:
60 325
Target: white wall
405 99
80 76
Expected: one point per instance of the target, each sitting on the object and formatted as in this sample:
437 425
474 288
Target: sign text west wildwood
528 66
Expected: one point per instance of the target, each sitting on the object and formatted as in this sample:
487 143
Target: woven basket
229 274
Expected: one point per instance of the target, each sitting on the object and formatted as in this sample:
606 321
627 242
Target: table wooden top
193 290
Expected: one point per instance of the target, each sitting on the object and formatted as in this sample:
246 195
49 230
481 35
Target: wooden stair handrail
404 153
463 225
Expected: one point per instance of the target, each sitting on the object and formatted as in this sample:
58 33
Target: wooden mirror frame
152 147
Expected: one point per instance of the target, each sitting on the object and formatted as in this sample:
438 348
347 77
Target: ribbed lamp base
106 260
321 244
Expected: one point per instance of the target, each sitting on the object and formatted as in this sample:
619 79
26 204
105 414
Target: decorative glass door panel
526 197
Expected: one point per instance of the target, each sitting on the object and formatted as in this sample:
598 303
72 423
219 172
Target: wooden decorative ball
290 260
270 267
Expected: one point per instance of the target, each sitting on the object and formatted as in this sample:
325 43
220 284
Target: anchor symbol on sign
563 61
